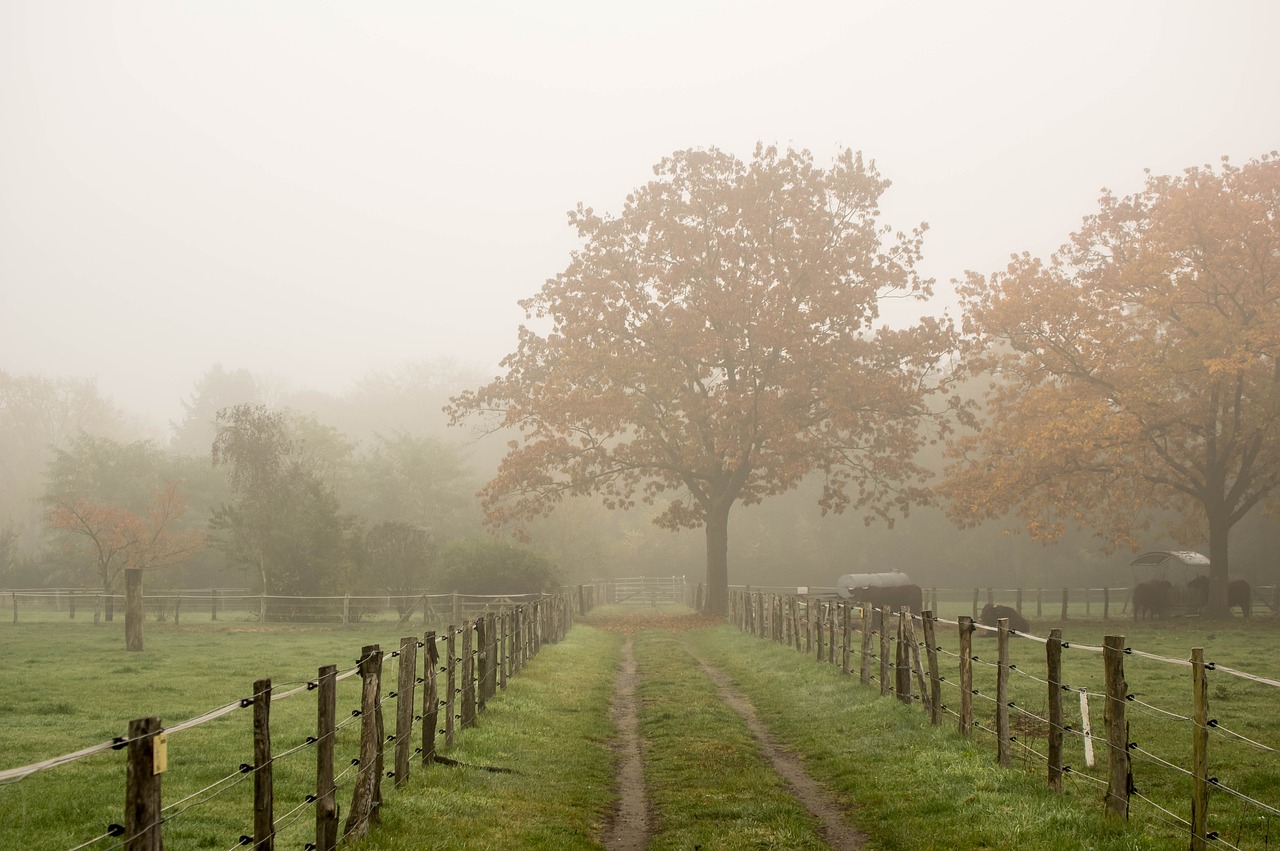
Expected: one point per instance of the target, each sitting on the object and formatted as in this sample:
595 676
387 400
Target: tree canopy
716 342
1136 372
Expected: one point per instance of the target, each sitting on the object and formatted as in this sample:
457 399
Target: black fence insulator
1133 746
1130 697
311 740
310 799
417 681
245 768
1066 644
390 695
1212 722
312 686
116 744
355 760
391 737
246 840
1211 666
417 718
115 829
355 713
246 702
395 653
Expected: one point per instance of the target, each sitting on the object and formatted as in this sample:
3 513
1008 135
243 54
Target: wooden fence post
450 684
975 603
966 676
864 664
1004 747
142 816
902 661
1039 602
326 727
886 685
1199 751
365 790
1053 659
262 607
430 696
482 661
820 628
1018 603
213 604
1106 604
468 676
264 820
913 648
134 614
1064 605
177 608
935 680
404 705
504 647
1120 776
847 633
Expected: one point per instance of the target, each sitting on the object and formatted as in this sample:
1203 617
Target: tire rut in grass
830 816
629 828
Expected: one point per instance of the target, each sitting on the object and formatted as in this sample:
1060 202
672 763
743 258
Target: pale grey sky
312 190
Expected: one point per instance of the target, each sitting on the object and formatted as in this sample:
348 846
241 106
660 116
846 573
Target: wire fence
1186 742
400 706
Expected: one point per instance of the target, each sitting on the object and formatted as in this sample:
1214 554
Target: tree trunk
718 559
1219 528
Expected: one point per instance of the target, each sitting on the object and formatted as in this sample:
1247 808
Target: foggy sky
312 190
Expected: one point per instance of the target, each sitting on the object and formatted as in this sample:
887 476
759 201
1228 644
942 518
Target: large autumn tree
1137 373
715 343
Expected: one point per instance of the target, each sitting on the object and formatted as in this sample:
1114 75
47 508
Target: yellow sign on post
160 753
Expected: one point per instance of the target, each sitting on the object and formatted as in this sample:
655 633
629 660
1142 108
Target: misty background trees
371 492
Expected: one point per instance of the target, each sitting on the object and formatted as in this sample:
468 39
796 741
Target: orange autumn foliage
1138 371
715 343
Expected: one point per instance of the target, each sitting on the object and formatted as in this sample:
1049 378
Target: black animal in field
1239 593
891 598
991 613
1152 599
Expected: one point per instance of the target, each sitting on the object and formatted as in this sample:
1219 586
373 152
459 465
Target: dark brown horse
991 613
1239 593
1152 599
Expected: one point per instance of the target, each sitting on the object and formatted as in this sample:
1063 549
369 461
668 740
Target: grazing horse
1239 593
1152 599
991 613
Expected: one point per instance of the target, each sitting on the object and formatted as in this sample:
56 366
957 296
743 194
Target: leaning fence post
1199 751
326 726
404 705
902 661
142 815
966 675
935 680
264 824
1053 659
913 649
1120 777
1004 746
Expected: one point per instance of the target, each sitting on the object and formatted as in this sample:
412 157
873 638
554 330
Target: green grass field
908 785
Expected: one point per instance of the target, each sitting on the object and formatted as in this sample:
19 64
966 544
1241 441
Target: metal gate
649 590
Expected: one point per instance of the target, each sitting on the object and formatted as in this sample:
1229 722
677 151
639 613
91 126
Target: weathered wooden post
1120 776
847 636
935 679
1065 592
504 648
1004 747
264 820
365 793
177 608
1039 602
468 677
1199 751
1106 603
820 628
913 650
864 664
142 815
966 676
213 604
326 727
262 607
1053 659
346 610
1018 601
405 684
450 684
430 697
902 661
975 603
886 684
134 614
482 661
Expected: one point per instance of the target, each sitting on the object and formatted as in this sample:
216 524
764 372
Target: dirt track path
632 824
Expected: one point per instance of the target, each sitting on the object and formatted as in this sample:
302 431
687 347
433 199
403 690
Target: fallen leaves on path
632 622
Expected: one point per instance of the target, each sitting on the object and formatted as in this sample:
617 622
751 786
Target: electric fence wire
1231 734
110 832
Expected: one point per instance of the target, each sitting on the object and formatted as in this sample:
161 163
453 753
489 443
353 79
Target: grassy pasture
910 786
